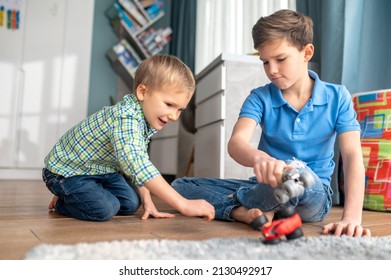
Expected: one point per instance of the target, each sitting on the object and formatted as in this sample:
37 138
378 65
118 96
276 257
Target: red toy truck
287 223
285 226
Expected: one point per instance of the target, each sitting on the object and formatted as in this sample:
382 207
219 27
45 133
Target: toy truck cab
285 226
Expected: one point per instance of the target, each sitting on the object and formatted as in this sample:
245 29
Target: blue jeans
226 194
92 197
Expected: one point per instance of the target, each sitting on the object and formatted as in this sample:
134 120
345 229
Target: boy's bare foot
52 203
245 215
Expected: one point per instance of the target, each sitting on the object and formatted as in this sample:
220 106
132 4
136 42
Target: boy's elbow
230 148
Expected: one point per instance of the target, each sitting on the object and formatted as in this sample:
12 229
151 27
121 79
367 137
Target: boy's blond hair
284 24
158 70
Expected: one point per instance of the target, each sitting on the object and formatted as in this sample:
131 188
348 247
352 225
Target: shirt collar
318 93
319 96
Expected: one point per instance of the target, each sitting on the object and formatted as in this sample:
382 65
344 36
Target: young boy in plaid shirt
100 168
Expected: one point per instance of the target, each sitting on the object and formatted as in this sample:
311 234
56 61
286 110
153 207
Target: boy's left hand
156 214
349 229
151 211
149 207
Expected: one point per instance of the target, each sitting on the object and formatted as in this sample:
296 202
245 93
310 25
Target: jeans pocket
52 181
48 176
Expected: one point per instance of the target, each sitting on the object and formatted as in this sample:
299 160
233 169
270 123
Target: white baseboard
20 174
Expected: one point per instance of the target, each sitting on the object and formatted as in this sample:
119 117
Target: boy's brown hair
158 70
284 24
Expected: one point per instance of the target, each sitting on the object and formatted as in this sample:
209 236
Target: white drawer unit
164 149
213 110
210 84
209 151
221 90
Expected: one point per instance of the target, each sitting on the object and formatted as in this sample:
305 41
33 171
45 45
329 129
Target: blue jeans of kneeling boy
92 197
226 194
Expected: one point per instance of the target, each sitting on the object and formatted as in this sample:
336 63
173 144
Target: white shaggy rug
306 248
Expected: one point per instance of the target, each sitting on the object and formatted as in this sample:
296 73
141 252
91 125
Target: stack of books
132 20
155 40
127 56
135 15
153 7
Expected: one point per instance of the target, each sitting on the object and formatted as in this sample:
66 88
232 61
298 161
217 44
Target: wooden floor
25 223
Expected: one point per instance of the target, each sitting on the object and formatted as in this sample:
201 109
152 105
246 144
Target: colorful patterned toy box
374 115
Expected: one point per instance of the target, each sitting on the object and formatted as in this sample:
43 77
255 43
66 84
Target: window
225 26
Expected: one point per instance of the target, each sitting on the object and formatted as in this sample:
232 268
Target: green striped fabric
113 139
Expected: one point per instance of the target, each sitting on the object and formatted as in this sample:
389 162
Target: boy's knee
177 182
129 206
313 219
104 211
312 215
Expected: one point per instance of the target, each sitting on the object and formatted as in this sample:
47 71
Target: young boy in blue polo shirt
300 117
101 168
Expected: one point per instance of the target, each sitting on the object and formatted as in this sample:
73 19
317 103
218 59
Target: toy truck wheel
297 233
286 212
292 189
271 241
281 196
259 222
307 180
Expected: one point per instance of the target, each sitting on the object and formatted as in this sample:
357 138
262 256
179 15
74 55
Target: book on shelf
134 11
132 51
147 3
155 9
141 8
154 40
129 21
127 56
163 36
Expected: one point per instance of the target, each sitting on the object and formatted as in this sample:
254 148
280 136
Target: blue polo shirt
308 134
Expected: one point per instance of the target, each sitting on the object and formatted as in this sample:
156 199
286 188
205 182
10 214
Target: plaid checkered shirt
111 140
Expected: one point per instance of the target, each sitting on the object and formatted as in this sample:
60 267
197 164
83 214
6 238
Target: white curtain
225 26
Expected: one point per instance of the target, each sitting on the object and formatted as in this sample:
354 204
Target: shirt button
298 120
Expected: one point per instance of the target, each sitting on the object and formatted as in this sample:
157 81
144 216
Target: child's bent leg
217 192
259 196
315 203
245 215
101 206
312 206
82 197
127 196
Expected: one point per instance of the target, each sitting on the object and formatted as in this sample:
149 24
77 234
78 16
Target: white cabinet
221 89
164 149
44 78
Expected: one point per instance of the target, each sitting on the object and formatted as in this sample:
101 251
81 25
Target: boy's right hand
192 208
199 208
269 171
